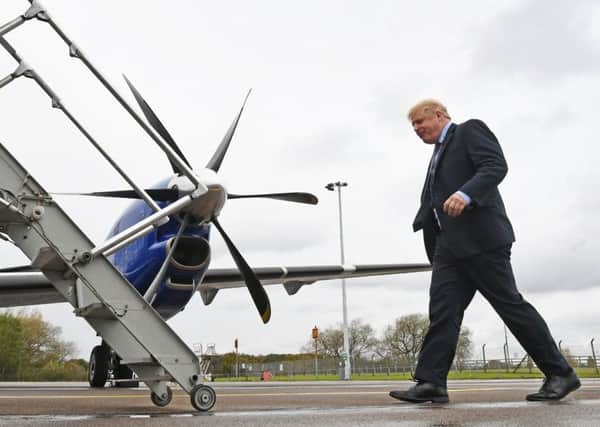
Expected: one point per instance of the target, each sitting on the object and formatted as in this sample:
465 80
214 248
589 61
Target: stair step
95 310
139 362
167 378
48 260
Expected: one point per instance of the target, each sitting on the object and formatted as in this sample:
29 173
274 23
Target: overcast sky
332 81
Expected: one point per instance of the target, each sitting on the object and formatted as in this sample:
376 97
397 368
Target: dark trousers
453 285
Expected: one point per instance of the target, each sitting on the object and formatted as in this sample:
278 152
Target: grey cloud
281 229
549 119
539 40
391 102
559 272
563 258
339 143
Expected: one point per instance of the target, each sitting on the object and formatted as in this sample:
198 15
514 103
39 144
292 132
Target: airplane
160 243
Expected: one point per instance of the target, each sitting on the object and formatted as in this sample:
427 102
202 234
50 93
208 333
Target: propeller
157 125
257 292
160 195
256 289
172 194
215 162
309 199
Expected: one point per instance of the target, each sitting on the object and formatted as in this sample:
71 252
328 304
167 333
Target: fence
329 366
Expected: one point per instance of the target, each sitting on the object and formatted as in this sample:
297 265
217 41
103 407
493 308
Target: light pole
237 360
594 354
315 336
506 353
484 364
346 354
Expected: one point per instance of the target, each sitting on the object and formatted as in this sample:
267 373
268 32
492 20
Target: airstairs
80 270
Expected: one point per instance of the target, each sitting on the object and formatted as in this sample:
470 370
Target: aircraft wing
20 286
293 278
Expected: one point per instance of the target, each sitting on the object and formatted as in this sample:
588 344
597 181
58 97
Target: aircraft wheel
203 397
98 367
162 401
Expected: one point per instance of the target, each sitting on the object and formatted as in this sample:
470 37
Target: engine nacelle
185 271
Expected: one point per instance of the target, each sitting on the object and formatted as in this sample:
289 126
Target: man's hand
455 205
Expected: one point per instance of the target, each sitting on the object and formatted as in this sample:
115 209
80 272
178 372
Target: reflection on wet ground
473 403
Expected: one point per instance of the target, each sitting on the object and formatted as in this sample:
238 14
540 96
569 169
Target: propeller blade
257 292
217 158
160 275
161 195
307 198
157 125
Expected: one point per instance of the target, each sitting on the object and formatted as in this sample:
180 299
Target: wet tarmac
353 403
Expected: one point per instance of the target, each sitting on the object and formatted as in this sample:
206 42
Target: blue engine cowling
141 260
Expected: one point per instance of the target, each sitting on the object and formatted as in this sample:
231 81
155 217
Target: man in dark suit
468 240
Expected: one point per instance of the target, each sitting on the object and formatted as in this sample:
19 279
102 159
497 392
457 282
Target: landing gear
98 367
105 365
163 400
203 397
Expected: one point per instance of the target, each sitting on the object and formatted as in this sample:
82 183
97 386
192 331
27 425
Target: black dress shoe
421 393
556 387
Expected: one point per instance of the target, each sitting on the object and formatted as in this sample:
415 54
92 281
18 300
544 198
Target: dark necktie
432 167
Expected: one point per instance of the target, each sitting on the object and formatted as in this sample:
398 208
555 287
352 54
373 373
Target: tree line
400 342
31 349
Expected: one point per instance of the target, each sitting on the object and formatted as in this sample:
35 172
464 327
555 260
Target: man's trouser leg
449 295
492 275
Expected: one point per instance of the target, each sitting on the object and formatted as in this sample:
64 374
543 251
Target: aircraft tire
98 366
203 397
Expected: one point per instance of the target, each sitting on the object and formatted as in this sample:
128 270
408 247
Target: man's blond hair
428 106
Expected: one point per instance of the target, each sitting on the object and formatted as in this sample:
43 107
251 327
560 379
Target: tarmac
319 403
